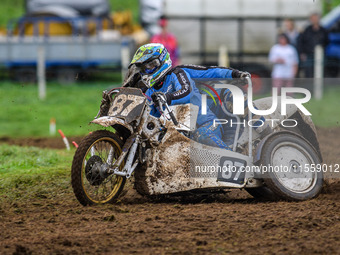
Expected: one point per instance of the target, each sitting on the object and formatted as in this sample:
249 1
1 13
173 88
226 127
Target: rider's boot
210 135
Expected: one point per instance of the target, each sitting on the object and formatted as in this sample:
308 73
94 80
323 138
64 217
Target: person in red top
168 40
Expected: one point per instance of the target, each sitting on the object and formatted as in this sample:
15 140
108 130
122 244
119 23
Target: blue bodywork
332 23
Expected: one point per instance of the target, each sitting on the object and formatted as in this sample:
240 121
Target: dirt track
215 224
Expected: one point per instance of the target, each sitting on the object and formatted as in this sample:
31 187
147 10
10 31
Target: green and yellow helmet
154 61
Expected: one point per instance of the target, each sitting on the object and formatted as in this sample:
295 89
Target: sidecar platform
179 164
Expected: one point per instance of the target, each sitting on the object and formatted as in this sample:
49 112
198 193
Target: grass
29 172
325 112
328 5
73 107
131 5
12 9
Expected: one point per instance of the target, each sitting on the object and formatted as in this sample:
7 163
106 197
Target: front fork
129 151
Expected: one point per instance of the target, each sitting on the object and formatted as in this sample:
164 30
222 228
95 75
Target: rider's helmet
154 62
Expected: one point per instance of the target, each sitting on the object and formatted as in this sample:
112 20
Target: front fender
108 121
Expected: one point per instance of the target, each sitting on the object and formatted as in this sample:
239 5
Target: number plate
232 170
128 104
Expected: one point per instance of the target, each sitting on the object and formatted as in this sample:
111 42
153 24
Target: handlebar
173 118
250 135
162 102
250 84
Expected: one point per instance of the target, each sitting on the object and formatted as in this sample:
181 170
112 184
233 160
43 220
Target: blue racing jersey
208 72
181 88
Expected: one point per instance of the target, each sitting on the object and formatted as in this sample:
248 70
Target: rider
176 86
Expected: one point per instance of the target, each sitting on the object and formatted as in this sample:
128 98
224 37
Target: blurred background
88 44
95 36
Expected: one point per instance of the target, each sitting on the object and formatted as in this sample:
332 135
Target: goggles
151 66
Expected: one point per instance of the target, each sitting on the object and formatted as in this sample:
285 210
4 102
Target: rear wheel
91 182
293 165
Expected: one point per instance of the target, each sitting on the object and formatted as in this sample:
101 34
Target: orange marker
64 139
75 144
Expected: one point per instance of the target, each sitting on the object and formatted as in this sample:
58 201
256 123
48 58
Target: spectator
290 31
150 12
285 60
313 35
168 40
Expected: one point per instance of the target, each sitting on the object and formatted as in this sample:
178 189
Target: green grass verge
73 107
325 112
11 9
29 172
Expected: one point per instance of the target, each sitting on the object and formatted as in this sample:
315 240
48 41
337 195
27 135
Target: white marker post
318 72
41 76
125 57
223 56
67 144
53 126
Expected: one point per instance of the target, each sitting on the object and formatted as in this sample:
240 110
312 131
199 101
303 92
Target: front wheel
91 182
292 171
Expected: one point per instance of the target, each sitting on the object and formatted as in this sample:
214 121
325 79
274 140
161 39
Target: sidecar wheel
290 161
90 183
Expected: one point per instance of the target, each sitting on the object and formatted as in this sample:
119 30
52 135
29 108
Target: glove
240 74
165 98
241 77
245 75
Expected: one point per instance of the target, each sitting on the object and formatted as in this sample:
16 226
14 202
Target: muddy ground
231 223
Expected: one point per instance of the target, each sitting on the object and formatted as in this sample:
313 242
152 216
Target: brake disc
92 170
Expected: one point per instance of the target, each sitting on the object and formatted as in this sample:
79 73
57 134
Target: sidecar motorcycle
160 155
